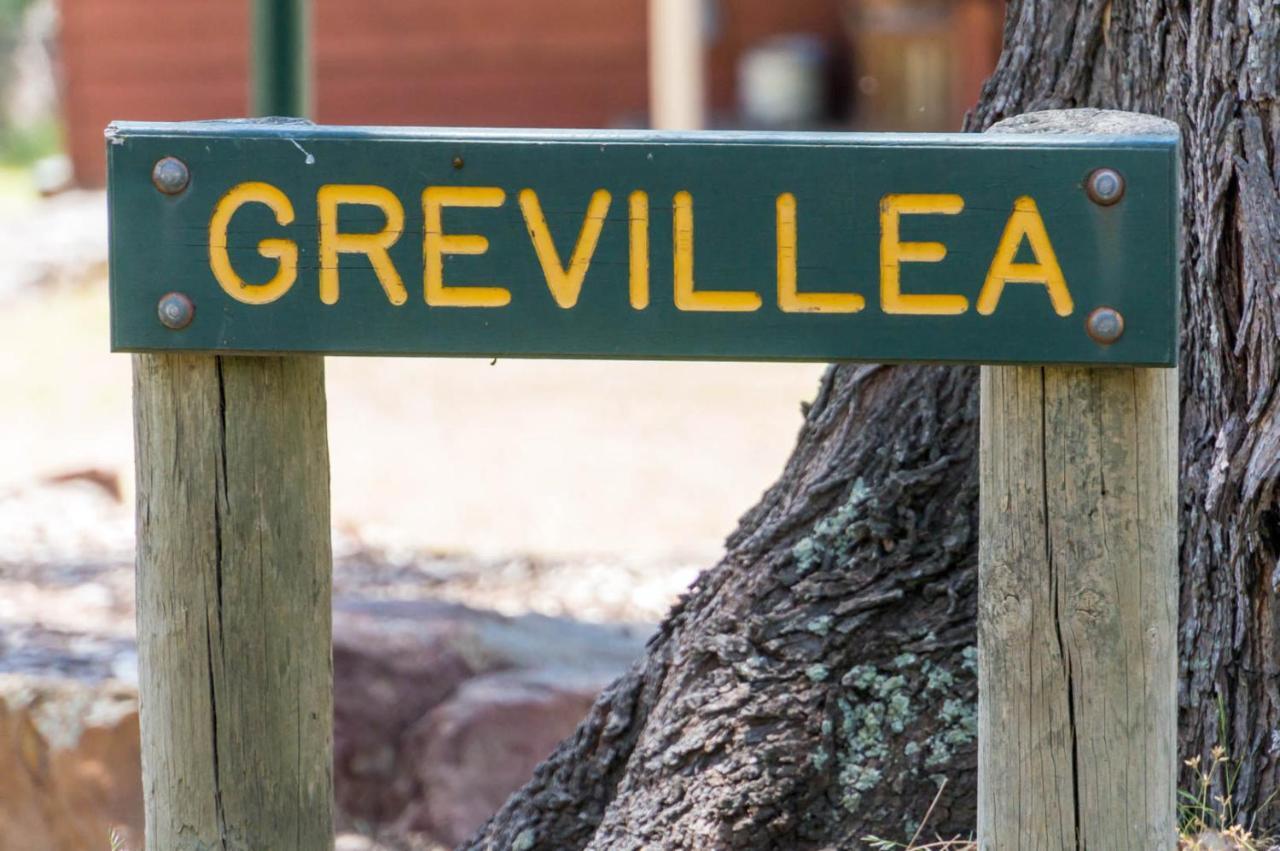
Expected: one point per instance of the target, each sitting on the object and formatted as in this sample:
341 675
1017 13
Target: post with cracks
1077 612
234 580
234 590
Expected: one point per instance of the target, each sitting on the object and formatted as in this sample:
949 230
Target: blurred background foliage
29 128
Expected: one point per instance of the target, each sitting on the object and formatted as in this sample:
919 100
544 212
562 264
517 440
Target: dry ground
561 458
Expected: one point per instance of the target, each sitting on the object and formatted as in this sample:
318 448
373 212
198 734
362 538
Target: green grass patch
22 146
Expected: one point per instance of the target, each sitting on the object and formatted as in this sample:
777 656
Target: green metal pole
281 73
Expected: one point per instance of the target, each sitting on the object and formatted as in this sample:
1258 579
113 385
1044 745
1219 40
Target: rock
71 764
440 712
392 662
472 752
398 661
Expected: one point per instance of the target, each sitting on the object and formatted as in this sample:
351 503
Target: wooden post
1077 612
234 586
677 72
234 580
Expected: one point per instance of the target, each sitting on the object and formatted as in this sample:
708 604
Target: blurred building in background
921 63
873 64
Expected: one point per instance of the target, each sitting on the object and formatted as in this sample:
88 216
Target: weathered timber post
234 585
1078 589
234 568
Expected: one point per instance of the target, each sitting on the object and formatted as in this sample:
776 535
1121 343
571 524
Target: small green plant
938 844
22 146
1208 821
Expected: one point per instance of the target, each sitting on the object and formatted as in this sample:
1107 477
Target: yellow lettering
1025 223
894 252
436 243
372 245
285 251
789 300
565 284
686 297
639 220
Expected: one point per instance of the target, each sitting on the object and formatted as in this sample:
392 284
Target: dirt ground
650 461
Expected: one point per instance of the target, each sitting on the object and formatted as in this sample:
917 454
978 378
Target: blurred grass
21 144
20 147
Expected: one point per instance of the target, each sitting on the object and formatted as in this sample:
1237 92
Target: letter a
1025 223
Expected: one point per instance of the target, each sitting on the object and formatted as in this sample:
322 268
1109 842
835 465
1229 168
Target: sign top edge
118 132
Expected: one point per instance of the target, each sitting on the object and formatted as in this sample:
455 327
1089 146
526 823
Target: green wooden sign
287 237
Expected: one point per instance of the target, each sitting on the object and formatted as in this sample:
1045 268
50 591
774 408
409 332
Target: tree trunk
818 684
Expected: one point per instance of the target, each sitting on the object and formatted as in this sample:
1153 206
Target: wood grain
1078 592
234 602
1077 611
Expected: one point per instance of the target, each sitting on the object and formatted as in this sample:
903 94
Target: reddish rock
392 662
440 712
471 753
71 764
398 664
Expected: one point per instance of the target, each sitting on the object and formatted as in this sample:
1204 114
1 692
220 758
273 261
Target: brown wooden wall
494 62
571 63
146 60
535 63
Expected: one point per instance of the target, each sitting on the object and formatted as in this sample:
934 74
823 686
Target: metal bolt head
175 311
458 162
170 175
1105 325
1105 186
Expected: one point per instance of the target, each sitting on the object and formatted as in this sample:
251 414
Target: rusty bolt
175 311
170 175
458 163
1105 186
1105 325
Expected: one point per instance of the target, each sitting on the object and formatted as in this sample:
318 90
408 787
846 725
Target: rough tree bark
818 684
